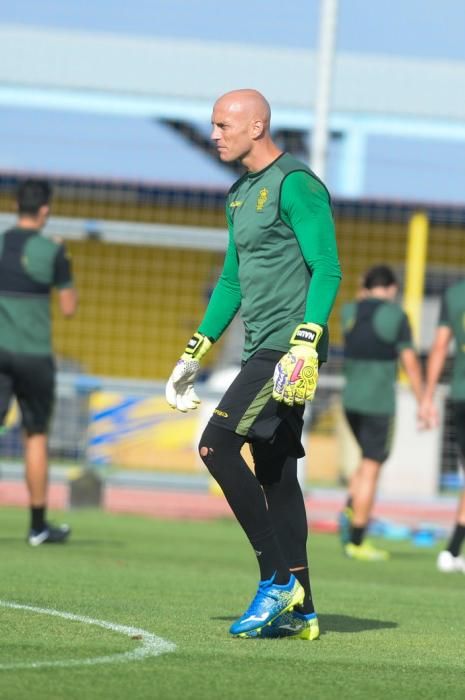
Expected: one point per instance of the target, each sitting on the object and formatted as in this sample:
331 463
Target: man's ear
258 128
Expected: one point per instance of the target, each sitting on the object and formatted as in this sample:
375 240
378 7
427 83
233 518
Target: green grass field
389 630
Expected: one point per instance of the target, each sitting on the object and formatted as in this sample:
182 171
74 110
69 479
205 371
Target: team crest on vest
262 199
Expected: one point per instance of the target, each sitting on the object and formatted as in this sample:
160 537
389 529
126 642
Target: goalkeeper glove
296 374
179 391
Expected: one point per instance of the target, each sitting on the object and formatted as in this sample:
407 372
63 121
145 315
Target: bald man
281 271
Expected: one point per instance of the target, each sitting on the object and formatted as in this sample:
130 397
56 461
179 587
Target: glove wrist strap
307 334
197 347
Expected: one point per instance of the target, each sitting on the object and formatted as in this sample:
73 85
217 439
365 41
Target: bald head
250 103
241 129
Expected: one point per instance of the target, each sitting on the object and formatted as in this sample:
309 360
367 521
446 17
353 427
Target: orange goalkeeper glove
180 391
296 374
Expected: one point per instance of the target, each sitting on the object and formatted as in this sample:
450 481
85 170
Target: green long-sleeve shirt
281 267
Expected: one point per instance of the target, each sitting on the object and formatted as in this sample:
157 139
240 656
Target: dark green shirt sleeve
391 324
404 339
62 273
226 297
305 208
444 319
348 314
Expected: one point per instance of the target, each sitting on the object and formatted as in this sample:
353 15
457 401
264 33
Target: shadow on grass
426 553
78 542
73 543
339 623
349 624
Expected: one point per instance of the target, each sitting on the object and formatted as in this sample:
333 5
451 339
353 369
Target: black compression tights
276 526
277 474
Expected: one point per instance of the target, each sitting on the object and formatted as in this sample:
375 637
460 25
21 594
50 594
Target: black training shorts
459 419
31 379
248 409
373 433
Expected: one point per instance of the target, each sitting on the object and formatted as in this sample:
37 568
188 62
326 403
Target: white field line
151 644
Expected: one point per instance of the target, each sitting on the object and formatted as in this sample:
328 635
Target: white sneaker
447 563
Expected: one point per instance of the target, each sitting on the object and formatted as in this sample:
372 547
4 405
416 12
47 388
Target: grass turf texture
390 629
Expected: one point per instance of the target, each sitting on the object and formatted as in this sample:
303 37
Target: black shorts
31 379
373 434
459 419
248 409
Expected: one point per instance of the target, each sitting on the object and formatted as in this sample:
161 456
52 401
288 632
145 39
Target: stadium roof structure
167 77
375 97
105 147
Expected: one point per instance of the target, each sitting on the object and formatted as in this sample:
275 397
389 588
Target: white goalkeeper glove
296 374
179 390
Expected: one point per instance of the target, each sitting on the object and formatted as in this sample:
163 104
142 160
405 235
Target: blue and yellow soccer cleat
270 602
345 525
365 552
290 625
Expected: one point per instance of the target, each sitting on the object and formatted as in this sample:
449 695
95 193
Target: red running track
322 507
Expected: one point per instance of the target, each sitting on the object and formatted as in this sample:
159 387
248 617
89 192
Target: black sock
37 518
357 534
264 544
303 577
455 543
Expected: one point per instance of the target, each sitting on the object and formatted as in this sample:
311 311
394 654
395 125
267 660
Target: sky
422 28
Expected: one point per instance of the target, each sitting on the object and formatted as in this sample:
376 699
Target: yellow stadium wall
100 202
139 304
138 307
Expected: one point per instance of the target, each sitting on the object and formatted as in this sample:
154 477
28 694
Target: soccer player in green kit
376 335
281 271
451 326
30 267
